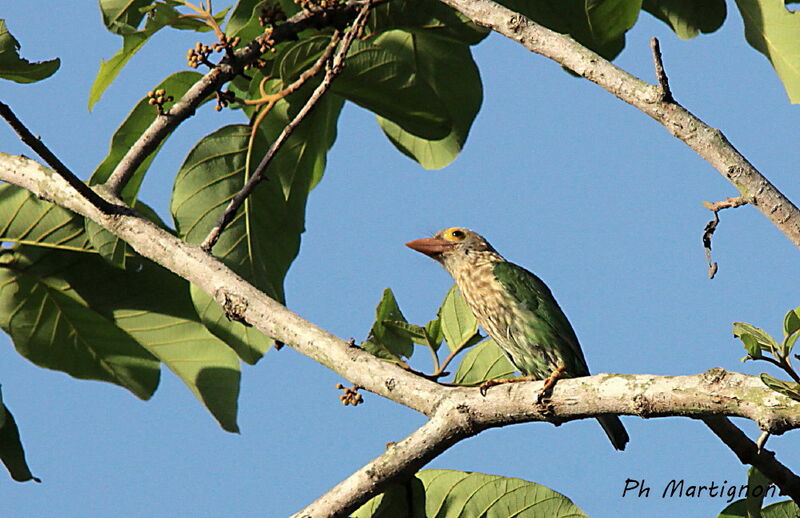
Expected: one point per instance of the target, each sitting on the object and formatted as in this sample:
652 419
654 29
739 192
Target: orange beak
430 246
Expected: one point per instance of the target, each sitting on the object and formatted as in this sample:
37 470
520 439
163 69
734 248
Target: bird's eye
458 234
455 234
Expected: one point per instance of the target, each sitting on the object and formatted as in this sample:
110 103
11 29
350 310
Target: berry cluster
350 396
157 98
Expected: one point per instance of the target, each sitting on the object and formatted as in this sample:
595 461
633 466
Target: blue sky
587 192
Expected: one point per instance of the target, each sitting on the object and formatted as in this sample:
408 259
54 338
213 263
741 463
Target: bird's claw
541 396
484 387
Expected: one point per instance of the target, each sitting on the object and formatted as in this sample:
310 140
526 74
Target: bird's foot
549 383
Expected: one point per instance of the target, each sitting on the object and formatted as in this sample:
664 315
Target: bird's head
455 246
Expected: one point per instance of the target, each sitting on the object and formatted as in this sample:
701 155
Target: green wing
551 321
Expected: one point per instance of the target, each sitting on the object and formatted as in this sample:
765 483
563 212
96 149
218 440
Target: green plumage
516 308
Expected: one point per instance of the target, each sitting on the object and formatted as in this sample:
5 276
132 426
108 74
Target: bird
517 309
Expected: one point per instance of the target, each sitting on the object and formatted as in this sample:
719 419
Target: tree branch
749 453
456 412
226 70
401 460
706 141
53 161
335 68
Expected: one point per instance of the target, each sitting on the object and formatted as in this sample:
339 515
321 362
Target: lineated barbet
518 311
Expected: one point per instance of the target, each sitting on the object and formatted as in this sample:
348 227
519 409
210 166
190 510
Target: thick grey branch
706 141
456 412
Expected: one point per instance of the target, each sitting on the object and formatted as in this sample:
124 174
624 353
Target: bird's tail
615 431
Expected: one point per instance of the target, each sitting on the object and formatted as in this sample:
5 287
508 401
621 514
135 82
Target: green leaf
385 341
264 238
784 509
54 327
775 32
295 59
28 220
688 18
737 509
17 69
787 388
123 16
448 68
791 322
458 322
597 24
12 455
434 331
788 343
763 339
756 485
244 20
109 70
413 332
381 81
429 16
438 492
484 362
154 307
751 345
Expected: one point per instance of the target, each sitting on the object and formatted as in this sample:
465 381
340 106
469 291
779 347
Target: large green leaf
597 24
438 493
484 362
54 327
385 83
12 455
386 341
264 238
17 69
688 18
775 32
154 306
113 249
448 68
28 220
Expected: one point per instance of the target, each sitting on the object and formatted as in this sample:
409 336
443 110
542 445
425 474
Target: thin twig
749 452
663 81
52 160
711 226
335 68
